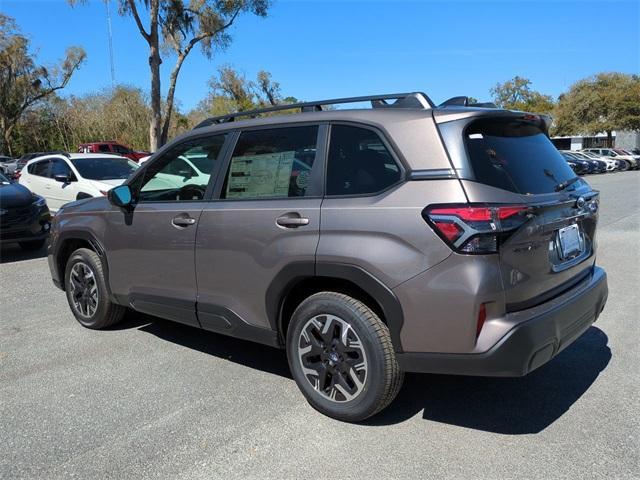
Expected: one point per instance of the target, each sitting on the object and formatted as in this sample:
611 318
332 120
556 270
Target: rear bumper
538 335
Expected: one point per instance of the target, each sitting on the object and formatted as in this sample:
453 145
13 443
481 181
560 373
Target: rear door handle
292 220
183 221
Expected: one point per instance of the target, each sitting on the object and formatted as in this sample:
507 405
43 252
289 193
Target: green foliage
230 91
120 113
516 94
175 27
601 103
23 83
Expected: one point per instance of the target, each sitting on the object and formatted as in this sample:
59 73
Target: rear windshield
515 156
104 168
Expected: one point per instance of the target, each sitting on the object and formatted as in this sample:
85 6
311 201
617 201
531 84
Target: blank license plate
569 240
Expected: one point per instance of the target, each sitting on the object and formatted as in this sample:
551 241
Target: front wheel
87 293
341 356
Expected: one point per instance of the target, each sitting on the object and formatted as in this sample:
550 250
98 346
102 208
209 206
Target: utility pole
113 70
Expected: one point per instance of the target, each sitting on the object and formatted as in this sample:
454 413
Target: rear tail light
16 175
475 229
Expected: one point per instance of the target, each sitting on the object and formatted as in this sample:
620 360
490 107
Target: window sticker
264 175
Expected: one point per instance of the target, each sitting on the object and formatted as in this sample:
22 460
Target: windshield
4 180
104 168
515 155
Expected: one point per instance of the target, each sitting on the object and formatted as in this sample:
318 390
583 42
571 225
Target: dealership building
626 139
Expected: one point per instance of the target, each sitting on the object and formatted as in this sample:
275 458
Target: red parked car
113 148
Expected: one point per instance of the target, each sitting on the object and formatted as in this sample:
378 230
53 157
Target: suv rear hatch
543 216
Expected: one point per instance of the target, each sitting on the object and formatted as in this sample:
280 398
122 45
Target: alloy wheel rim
332 358
84 289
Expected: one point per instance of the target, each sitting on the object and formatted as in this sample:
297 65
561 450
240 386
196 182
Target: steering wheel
190 192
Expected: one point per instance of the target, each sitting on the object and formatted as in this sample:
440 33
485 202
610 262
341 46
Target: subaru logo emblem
580 203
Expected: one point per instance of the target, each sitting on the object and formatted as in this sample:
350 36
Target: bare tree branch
136 17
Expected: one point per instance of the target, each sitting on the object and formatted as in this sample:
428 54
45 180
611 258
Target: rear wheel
87 292
341 356
625 165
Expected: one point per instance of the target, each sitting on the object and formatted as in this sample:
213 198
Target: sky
333 49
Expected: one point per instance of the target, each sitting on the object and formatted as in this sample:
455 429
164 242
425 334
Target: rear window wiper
562 185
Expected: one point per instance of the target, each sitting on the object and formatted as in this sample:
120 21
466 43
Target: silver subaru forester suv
405 237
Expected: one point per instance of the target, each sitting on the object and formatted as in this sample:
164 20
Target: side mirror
187 174
120 196
62 178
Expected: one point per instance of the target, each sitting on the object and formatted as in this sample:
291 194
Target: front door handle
292 220
183 221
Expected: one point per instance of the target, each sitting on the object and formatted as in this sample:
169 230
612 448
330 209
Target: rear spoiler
443 115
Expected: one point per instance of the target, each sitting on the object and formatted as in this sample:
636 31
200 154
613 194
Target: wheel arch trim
291 276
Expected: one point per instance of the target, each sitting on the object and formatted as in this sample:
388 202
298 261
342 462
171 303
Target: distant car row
601 160
12 167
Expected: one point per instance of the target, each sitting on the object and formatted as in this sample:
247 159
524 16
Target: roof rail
402 100
464 102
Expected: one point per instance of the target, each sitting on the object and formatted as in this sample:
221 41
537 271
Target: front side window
182 173
120 149
274 163
59 167
359 163
39 168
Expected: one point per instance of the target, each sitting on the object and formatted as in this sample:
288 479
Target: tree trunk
156 106
609 139
155 125
170 97
7 139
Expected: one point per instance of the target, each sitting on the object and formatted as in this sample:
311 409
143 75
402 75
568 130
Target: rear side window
273 163
103 148
359 163
39 168
516 156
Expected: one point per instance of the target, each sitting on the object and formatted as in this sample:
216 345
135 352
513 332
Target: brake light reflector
475 229
482 316
449 230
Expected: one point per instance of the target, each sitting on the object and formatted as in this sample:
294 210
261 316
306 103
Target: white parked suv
64 178
615 153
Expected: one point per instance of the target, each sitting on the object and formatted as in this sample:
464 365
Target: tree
23 83
269 88
516 94
176 27
601 103
232 92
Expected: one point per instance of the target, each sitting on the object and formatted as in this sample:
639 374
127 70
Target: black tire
379 377
99 314
625 166
32 245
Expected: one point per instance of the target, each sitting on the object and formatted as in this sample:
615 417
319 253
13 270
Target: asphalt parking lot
153 399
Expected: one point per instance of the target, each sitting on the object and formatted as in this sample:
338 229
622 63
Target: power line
113 70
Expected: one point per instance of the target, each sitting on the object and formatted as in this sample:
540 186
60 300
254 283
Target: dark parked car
581 167
406 237
24 216
595 166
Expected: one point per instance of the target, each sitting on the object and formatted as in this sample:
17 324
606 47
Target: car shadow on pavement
511 406
249 354
13 253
